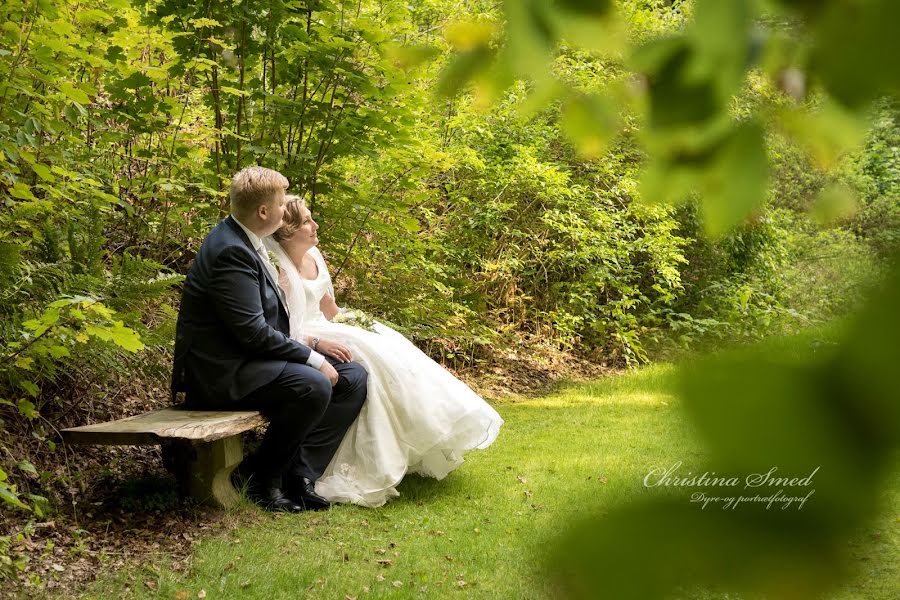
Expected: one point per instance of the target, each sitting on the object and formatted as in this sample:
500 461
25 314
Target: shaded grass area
481 532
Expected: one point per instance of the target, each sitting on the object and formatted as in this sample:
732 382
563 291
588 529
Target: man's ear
262 211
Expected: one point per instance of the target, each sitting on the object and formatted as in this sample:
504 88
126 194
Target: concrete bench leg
203 469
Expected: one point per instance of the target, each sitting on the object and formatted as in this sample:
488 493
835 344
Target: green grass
479 533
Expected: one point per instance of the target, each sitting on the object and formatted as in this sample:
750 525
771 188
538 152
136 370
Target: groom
233 351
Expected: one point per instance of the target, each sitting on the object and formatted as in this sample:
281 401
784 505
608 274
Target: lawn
481 532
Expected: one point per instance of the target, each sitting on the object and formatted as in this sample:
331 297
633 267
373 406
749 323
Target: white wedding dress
418 418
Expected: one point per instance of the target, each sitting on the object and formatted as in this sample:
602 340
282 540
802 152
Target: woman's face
305 236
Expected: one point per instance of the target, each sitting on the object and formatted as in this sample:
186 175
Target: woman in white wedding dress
418 418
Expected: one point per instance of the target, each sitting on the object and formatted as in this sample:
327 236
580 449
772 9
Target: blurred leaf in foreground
784 421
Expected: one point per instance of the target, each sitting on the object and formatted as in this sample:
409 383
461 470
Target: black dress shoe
303 491
271 497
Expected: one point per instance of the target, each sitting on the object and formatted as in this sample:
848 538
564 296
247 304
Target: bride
418 417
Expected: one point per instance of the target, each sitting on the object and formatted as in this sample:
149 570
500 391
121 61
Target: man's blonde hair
252 187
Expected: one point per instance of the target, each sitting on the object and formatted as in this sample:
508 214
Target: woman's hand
335 350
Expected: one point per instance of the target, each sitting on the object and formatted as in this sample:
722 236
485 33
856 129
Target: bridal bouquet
356 318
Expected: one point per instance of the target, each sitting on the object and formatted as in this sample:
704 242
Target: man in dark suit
233 351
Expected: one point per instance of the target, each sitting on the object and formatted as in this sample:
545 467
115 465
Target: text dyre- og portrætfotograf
670 477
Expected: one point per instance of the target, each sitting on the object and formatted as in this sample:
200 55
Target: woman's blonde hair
293 217
252 187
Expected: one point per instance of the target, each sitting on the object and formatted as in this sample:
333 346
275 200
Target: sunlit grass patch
480 533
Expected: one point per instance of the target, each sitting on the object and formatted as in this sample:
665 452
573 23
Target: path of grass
480 532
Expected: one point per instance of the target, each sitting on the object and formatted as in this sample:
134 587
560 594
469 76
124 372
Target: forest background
490 227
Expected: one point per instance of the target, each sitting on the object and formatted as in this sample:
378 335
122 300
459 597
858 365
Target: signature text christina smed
770 487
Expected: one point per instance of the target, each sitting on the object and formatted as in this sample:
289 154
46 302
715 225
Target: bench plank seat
200 447
165 424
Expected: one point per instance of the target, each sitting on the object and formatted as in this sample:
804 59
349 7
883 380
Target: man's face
274 214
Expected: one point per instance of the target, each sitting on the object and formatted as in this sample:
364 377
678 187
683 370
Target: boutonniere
274 260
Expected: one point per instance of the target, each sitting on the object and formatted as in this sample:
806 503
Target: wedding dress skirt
418 418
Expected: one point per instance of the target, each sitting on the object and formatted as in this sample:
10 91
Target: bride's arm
328 307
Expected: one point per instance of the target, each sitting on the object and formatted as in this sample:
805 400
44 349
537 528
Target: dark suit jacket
233 333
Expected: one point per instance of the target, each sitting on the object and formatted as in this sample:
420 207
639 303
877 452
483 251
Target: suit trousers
307 419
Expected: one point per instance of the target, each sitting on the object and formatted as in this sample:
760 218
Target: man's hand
335 350
328 371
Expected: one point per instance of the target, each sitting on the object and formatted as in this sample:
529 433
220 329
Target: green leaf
27 467
43 172
855 43
827 133
411 224
58 352
677 100
735 184
462 69
531 35
126 338
73 93
203 22
720 36
652 549
21 191
26 407
24 362
590 122
590 8
10 497
234 91
469 35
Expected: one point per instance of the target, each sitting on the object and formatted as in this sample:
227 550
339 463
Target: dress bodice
316 288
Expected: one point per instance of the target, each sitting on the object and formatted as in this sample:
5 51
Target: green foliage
874 174
34 353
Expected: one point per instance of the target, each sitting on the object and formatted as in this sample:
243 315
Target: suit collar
237 229
255 241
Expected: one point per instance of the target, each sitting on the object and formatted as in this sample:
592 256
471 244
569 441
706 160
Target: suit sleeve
234 290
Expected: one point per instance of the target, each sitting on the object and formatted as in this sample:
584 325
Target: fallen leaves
103 531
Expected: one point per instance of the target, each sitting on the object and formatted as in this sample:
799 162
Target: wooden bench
200 447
